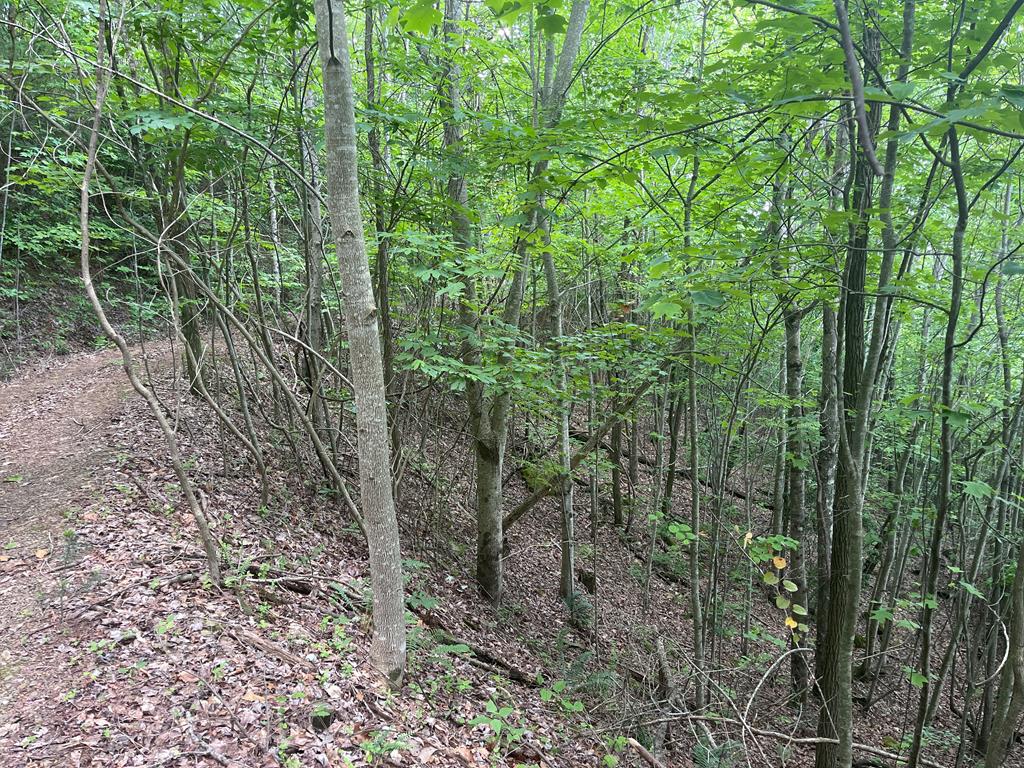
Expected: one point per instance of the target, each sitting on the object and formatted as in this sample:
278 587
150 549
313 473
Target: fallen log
589 447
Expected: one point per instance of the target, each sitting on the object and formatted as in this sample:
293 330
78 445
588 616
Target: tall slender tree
365 359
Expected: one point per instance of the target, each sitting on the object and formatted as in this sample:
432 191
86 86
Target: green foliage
502 723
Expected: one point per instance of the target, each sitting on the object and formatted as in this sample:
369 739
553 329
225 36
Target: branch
857 88
645 753
992 40
589 447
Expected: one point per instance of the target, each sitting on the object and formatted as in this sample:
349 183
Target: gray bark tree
365 358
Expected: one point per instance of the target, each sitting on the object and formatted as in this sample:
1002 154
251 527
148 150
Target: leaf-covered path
52 437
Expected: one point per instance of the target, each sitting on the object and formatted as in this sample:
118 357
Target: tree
364 343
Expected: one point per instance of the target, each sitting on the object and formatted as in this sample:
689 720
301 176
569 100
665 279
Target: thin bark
389 643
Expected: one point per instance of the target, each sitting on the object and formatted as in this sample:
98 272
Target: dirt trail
53 420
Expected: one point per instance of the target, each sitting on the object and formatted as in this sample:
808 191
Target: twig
268 647
645 753
181 578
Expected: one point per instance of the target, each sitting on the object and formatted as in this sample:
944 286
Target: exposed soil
53 418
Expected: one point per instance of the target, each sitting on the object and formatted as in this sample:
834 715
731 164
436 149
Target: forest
512 383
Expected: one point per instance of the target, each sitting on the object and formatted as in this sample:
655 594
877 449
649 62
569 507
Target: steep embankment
115 651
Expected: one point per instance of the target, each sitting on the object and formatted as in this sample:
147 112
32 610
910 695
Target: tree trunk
795 480
275 242
382 261
616 456
388 647
836 717
696 612
779 470
825 468
568 544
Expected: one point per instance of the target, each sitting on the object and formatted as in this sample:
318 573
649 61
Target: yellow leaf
791 622
779 562
41 553
747 538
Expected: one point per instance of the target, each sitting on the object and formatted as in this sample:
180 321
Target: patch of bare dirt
52 421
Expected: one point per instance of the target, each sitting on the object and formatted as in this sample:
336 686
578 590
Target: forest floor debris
116 651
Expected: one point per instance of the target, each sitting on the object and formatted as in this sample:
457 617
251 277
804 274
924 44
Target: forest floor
116 651
54 417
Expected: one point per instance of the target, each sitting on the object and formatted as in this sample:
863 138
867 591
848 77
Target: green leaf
882 615
902 90
708 298
421 16
971 589
957 419
456 649
916 678
743 38
660 267
782 602
978 489
552 23
789 586
799 610
1013 94
770 578
665 309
